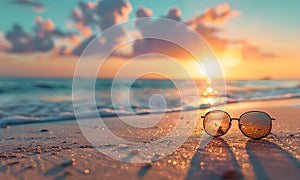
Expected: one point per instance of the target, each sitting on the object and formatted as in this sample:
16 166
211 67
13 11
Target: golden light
209 89
231 57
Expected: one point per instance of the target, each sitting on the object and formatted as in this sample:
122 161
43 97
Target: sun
231 57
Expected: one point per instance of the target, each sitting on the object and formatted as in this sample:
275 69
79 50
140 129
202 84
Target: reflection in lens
255 124
216 123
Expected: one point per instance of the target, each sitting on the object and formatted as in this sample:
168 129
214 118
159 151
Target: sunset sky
252 39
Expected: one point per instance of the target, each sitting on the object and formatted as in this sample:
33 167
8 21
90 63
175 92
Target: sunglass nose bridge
235 119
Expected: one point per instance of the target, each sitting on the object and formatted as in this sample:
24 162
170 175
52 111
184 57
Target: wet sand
59 150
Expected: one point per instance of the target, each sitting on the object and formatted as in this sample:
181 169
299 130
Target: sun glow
231 57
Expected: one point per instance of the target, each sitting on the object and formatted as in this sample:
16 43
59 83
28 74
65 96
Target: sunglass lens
216 123
255 124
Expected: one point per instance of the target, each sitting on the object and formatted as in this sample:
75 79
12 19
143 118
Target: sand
59 150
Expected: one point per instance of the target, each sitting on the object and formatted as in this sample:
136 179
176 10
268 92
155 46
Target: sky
251 39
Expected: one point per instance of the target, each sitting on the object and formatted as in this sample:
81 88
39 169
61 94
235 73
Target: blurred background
256 42
252 39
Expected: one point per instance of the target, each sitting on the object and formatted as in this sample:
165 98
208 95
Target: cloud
46 32
210 35
87 10
174 14
216 16
37 5
203 24
41 41
19 39
143 12
112 12
42 44
75 39
77 15
148 26
109 13
80 48
85 31
4 45
81 23
85 18
105 14
44 27
250 51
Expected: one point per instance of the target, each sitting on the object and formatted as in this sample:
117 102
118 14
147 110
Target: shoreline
35 151
268 102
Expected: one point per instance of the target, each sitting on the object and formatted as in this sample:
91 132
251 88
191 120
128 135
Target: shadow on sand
215 161
269 161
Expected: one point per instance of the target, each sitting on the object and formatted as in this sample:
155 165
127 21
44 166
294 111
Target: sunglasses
253 124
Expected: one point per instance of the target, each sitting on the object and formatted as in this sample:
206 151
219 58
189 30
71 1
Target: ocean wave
107 112
7 119
47 100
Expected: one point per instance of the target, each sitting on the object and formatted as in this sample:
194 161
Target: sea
34 100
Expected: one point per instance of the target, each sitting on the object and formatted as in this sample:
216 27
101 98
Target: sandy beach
130 89
59 150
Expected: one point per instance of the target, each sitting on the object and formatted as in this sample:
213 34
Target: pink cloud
216 16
